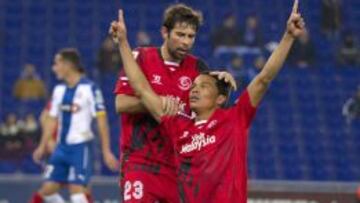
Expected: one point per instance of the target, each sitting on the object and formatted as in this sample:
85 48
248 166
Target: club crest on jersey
73 108
198 141
184 83
156 80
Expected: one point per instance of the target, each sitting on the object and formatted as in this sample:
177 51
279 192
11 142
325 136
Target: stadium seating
298 133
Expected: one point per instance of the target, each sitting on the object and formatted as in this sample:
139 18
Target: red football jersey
141 141
212 155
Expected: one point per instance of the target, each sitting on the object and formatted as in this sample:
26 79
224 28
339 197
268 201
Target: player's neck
166 55
73 79
204 115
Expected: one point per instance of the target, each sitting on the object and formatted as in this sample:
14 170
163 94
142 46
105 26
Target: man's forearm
49 129
103 131
257 88
277 58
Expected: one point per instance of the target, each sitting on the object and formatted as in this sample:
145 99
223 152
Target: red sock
89 197
36 198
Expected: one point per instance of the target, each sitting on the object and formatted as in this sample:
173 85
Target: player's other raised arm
295 27
137 79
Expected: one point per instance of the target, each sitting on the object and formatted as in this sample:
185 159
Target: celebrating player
73 106
147 157
211 147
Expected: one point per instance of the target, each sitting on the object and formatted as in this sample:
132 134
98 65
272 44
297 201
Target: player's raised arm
137 79
295 27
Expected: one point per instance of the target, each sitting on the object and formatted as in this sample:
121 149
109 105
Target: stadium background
300 142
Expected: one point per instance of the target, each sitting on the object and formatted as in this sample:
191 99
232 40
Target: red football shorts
147 187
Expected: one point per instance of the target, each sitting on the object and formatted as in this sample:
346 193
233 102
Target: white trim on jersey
200 122
123 78
171 63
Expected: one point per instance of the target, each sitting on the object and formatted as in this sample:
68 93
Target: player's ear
164 32
220 100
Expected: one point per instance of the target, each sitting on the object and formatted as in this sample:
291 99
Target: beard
175 54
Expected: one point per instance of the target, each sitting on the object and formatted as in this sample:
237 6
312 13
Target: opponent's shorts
70 164
148 187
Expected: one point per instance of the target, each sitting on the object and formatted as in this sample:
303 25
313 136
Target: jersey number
138 190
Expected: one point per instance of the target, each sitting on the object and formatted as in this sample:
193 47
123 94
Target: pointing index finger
295 6
121 16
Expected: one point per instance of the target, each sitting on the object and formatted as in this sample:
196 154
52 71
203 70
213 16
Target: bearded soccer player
74 104
147 157
211 147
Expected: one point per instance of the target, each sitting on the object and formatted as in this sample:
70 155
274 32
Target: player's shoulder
141 53
85 81
198 62
59 87
88 85
145 50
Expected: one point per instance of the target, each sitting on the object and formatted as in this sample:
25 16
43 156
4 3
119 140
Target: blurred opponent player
52 142
211 147
73 106
147 157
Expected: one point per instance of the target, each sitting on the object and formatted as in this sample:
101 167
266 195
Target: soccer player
211 147
52 142
73 106
147 158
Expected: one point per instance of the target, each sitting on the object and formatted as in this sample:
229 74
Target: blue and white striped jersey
75 107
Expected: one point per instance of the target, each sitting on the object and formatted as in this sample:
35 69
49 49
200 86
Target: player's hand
295 24
113 32
170 105
227 77
110 160
118 28
39 153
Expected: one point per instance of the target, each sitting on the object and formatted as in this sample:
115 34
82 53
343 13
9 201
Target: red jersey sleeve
122 85
245 108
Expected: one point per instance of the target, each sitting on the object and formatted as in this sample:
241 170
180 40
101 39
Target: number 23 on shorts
133 190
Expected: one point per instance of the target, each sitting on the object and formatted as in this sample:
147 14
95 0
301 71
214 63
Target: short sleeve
202 66
244 107
122 85
96 101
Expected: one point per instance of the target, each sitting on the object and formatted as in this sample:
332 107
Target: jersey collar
168 63
197 123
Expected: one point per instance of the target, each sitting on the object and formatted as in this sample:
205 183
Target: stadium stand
299 132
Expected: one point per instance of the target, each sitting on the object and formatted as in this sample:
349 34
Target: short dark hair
180 13
72 55
223 87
